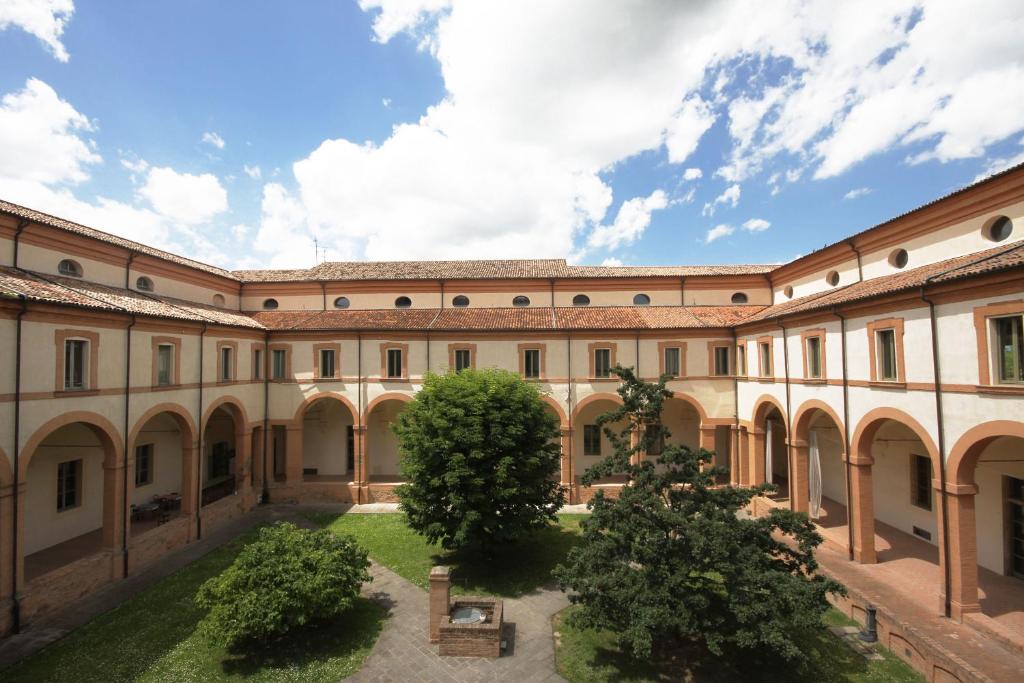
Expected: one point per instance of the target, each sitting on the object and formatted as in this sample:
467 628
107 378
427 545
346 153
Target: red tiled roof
1004 257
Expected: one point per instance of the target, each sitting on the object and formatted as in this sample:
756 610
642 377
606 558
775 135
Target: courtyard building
878 382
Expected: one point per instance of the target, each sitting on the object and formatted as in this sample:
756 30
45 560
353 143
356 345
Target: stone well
467 626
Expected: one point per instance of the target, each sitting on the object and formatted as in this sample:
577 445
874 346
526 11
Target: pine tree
675 561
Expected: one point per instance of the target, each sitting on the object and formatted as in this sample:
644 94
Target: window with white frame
602 362
814 357
741 358
143 465
164 365
75 359
531 363
885 345
69 485
327 362
672 361
1009 349
394 363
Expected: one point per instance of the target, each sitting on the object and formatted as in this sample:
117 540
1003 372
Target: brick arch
236 408
869 425
693 402
604 396
388 396
805 414
104 429
300 413
969 447
181 416
559 412
762 405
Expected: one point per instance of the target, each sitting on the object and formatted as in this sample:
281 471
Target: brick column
634 441
734 455
362 474
440 600
188 487
7 532
756 456
743 463
862 509
963 550
243 462
115 511
799 486
565 463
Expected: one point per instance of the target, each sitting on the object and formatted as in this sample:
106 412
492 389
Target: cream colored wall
623 297
588 415
161 431
538 298
382 443
303 302
6 251
892 450
1004 457
173 287
723 297
44 525
324 437
219 428
833 472
43 260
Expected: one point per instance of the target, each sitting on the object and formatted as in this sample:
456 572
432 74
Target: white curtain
814 475
768 452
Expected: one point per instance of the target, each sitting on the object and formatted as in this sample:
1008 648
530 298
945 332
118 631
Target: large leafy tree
481 459
675 562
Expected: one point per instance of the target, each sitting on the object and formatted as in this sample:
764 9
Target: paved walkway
403 653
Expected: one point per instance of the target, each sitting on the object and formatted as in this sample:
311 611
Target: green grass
512 571
594 657
152 637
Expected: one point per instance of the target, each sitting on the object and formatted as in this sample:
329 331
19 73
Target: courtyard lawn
591 656
511 572
152 637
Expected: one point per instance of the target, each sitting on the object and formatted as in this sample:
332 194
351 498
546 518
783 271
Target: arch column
115 512
755 455
862 508
293 457
707 437
799 487
742 456
565 462
7 559
188 488
963 549
360 478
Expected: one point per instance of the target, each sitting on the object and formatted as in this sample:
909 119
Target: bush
286 578
481 457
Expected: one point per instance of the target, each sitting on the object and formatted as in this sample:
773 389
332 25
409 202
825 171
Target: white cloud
45 19
183 197
730 196
717 232
136 166
213 139
692 174
253 172
632 219
398 16
1001 164
687 127
386 101
756 225
857 192
611 261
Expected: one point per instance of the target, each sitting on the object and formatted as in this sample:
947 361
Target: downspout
940 425
199 451
552 283
22 224
846 432
127 403
860 266
266 412
15 602
735 476
682 291
440 283
361 435
569 412
636 350
323 288
789 416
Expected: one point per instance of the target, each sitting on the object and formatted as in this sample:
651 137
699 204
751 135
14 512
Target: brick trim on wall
452 348
981 333
681 345
317 348
818 332
220 361
740 369
591 348
769 372
543 348
156 343
872 328
712 345
384 361
93 338
287 348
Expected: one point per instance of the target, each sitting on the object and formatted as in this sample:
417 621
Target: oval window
899 258
144 284
461 301
788 291
521 301
641 300
403 302
832 278
342 302
269 304
999 229
218 300
739 298
581 300
69 268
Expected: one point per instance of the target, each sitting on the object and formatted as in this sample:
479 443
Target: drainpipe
789 414
199 452
568 402
127 403
552 283
16 603
682 291
735 476
846 432
22 224
637 352
860 266
360 434
266 412
440 283
940 425
323 288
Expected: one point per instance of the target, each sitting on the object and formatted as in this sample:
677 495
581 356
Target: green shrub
286 578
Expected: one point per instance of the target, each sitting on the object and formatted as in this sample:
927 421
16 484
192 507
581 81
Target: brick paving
402 652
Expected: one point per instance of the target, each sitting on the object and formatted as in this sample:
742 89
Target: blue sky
647 133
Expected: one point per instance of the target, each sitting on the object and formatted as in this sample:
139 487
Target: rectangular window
164 361
591 440
74 364
327 362
672 361
461 359
1010 349
257 370
814 357
721 360
885 342
69 485
741 359
1015 501
143 465
220 461
277 362
602 362
765 349
394 362
225 363
531 363
921 481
